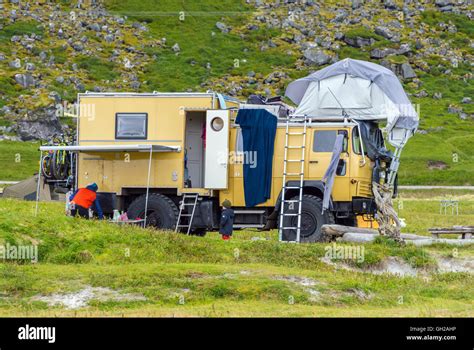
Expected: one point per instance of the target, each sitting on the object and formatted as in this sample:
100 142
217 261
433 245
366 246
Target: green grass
463 24
60 54
171 72
19 160
423 213
97 69
362 32
448 140
204 276
18 28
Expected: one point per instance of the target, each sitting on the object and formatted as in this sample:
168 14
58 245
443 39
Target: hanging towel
328 178
258 135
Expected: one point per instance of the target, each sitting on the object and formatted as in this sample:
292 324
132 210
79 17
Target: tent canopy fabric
364 90
27 190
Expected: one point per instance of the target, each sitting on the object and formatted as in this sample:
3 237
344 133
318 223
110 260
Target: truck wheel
161 211
311 219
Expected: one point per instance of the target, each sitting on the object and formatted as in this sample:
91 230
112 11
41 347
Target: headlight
217 124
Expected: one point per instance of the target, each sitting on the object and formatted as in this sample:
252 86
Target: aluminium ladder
286 161
189 199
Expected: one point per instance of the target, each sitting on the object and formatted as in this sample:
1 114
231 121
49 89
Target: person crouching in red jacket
84 199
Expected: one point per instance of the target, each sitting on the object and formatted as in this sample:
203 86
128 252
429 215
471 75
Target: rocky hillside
50 52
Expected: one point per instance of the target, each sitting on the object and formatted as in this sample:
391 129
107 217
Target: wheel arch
312 187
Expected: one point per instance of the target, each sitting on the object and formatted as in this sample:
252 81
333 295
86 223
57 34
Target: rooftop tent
365 90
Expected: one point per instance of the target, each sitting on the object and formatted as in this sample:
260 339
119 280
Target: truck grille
364 189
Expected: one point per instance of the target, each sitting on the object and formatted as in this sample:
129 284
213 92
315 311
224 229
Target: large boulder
384 31
16 63
42 124
222 27
382 53
357 3
407 72
358 41
316 56
443 3
25 80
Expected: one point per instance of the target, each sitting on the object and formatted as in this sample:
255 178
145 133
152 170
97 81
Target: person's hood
92 187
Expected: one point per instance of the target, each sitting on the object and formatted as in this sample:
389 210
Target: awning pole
38 186
148 184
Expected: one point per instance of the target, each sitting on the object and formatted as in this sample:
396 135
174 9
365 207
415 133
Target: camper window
324 140
131 125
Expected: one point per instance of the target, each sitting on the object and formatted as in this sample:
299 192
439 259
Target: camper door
217 149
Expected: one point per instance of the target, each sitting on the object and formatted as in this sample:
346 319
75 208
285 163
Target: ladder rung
295 147
294 160
293 174
291 200
189 199
296 133
296 214
289 228
291 188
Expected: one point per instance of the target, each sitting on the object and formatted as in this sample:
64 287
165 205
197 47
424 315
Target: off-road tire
46 167
60 171
162 213
312 219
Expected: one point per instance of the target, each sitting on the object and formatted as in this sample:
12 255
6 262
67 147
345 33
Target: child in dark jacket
227 220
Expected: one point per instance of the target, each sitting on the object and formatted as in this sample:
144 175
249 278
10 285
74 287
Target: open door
217 149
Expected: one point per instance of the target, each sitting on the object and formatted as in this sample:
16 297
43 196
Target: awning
113 148
107 148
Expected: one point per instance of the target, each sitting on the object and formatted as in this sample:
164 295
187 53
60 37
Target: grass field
251 275
19 160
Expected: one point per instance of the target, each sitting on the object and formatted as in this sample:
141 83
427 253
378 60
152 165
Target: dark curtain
258 135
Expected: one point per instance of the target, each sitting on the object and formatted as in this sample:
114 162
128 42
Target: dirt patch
398 267
306 282
437 165
455 265
360 294
196 275
302 281
314 295
393 266
77 300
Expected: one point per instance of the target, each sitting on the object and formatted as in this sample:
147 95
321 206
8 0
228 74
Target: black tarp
258 135
374 144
